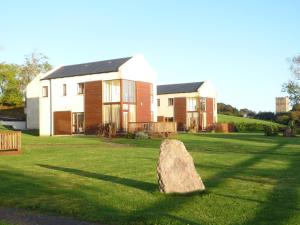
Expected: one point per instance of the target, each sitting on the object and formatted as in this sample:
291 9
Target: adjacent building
191 105
282 104
78 98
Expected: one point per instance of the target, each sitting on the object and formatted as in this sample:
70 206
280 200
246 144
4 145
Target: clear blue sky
241 46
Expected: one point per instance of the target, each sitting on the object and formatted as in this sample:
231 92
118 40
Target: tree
10 93
34 64
295 66
292 88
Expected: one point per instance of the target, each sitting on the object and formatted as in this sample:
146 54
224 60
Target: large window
192 104
128 87
203 104
132 113
111 114
111 91
45 91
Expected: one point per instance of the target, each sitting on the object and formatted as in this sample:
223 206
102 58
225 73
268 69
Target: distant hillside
237 120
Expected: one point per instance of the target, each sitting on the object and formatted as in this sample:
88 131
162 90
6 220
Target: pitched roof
178 88
88 68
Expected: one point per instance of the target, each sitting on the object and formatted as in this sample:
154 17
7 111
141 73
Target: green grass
250 179
235 119
4 223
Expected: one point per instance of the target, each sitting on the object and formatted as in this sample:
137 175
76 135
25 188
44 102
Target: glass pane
128 91
132 113
106 113
116 115
111 91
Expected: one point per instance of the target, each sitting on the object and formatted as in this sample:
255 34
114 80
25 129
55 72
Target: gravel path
22 217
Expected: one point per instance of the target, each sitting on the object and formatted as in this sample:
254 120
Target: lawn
235 119
250 179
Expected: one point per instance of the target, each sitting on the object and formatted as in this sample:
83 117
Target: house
77 98
191 105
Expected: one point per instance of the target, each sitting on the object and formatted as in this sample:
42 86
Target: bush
141 135
271 130
249 127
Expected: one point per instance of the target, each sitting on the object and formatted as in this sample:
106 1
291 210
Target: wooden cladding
10 142
92 106
143 101
62 123
180 112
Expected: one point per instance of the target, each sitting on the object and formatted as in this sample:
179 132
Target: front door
77 123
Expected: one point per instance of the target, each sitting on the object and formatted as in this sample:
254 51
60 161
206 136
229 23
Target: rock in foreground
176 170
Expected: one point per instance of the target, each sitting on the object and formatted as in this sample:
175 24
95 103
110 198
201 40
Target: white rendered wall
17 125
168 111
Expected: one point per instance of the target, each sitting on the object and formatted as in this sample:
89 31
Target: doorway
78 123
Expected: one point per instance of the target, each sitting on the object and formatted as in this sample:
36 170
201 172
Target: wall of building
17 125
206 90
40 111
282 104
168 111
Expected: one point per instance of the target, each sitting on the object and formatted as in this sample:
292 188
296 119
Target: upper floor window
128 88
203 104
192 104
64 89
80 88
111 91
45 91
170 101
158 102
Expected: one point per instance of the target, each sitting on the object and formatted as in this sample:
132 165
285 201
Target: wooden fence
10 142
153 127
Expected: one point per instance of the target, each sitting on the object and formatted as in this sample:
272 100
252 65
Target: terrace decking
153 128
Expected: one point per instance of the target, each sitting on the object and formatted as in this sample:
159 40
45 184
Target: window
111 114
170 101
80 88
111 91
132 113
158 102
45 91
128 87
203 104
192 104
64 89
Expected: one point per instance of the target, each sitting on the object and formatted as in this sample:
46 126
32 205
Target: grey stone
176 170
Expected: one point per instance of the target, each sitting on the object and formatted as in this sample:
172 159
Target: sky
242 47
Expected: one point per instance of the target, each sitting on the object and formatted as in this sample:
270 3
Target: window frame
45 91
80 88
170 101
64 89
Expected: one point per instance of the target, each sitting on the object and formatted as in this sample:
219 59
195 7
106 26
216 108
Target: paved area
22 217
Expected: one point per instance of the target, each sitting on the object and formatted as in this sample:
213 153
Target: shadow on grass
31 132
142 185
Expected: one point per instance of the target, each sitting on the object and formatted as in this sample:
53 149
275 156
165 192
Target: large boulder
176 170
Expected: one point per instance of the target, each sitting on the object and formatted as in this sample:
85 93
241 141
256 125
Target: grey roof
178 88
88 68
